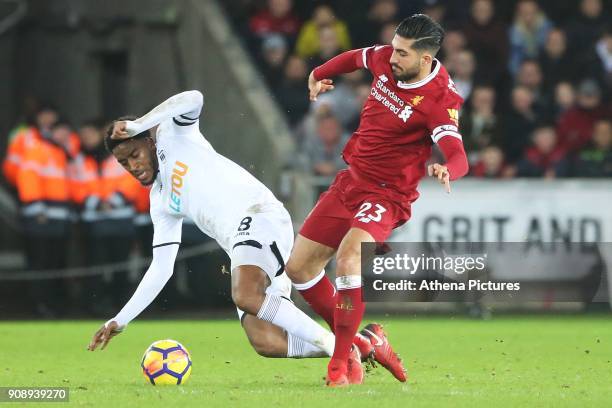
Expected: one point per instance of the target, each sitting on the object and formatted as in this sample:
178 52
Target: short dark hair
426 32
111 143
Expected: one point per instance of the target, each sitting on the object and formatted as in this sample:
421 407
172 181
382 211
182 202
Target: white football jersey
197 183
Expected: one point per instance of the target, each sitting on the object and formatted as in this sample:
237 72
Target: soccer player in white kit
189 179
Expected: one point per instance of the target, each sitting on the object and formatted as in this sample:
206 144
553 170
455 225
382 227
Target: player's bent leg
307 260
269 340
305 269
266 339
349 307
249 293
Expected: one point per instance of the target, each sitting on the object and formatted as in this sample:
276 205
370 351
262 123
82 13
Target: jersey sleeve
167 229
349 61
183 109
371 57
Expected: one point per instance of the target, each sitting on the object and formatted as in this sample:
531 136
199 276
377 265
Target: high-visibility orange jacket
15 151
42 179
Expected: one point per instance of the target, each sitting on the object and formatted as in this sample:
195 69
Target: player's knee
348 264
293 271
247 300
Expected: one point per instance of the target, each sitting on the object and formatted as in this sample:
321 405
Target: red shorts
354 204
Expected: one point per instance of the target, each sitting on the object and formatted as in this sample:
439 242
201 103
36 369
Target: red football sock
321 298
347 318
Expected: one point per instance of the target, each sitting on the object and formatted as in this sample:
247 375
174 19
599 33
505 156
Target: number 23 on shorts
368 212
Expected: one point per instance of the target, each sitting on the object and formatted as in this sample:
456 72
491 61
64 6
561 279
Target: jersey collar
423 81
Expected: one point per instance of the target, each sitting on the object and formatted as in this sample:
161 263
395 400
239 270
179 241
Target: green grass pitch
506 361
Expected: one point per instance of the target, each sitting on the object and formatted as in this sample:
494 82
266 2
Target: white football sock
285 314
298 348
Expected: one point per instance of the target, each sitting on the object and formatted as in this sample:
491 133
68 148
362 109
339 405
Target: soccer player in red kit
412 104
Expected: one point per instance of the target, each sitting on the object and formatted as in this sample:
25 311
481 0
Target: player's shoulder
376 57
443 87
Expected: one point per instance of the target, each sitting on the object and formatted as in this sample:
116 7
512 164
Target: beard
150 182
407 74
155 167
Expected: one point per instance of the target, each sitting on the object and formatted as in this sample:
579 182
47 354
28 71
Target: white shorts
265 239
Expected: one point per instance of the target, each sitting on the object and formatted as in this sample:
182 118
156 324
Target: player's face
405 61
139 159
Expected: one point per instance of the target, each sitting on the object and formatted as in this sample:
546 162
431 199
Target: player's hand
441 172
316 87
120 130
104 334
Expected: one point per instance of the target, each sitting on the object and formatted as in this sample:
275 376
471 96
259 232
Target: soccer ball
166 362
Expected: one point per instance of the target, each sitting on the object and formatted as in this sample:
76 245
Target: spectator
291 91
529 75
519 122
323 148
274 54
44 195
565 98
596 160
488 39
381 12
587 27
555 62
45 119
527 34
436 10
491 163
329 47
277 18
387 32
454 42
310 41
545 157
575 126
479 123
462 68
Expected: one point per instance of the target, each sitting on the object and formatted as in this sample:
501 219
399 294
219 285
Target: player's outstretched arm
152 283
456 162
187 106
319 80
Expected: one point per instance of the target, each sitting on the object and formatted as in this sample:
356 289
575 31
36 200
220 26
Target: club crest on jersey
178 172
416 100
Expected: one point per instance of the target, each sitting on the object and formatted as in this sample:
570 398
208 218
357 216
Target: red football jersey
400 122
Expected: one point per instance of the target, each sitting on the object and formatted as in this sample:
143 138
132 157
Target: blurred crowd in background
535 76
